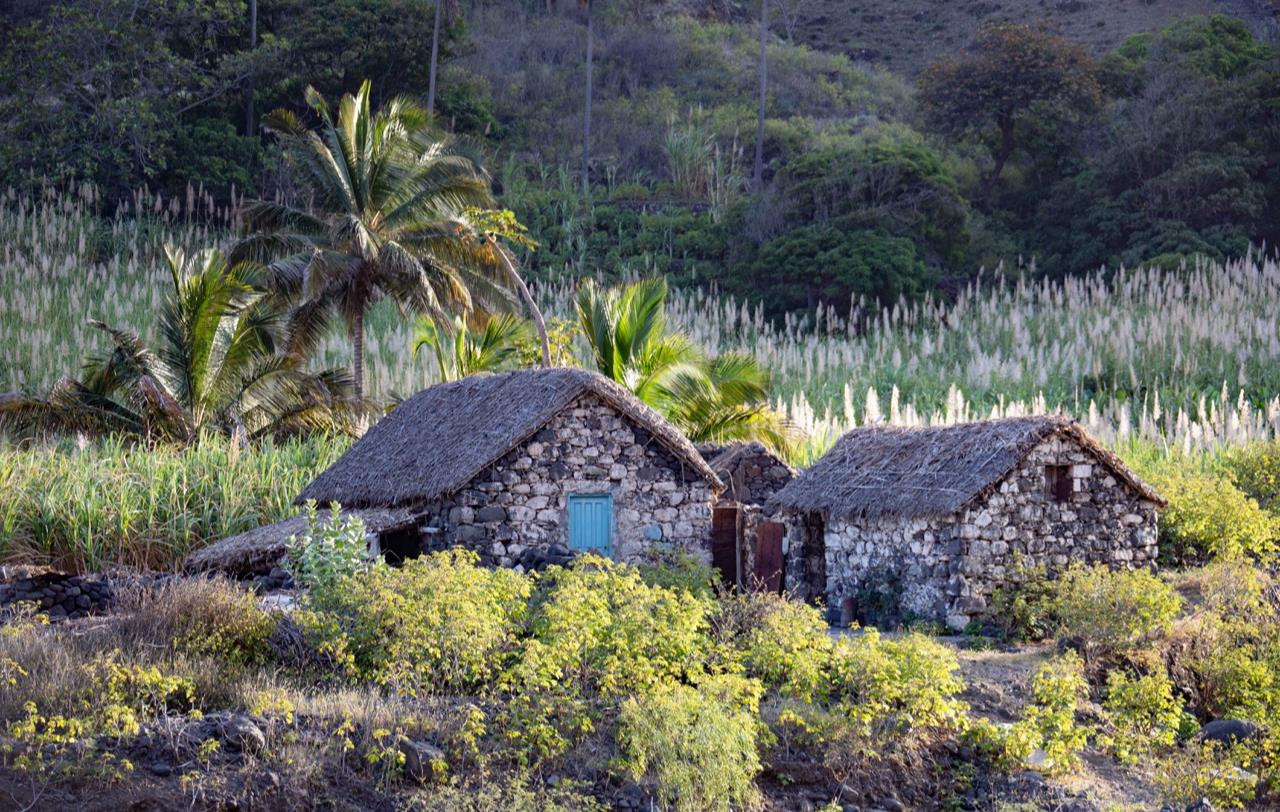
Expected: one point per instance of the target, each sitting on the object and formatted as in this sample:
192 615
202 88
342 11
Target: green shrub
781 642
677 569
1022 608
905 688
328 551
698 743
1048 733
1113 610
1206 769
1142 715
596 633
1209 517
1255 469
440 623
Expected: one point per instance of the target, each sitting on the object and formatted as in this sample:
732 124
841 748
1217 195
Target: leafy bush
327 552
677 569
440 623
1022 607
1048 727
1207 769
596 633
1142 714
1209 517
905 688
1255 469
699 743
781 642
1113 610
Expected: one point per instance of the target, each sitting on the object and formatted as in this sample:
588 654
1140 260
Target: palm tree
387 221
757 174
586 115
461 351
711 399
214 369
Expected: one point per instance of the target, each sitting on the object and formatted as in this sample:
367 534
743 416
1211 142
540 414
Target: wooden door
724 543
769 561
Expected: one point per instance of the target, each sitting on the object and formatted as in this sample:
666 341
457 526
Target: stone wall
515 512
947 568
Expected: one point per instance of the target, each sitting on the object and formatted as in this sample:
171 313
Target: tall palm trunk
534 310
357 352
757 174
435 56
249 123
586 119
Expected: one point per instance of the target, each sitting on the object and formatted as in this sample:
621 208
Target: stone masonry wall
515 513
947 568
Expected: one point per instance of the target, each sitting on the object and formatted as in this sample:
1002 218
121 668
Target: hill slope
905 36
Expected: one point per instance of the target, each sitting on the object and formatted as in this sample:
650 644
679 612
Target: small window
1057 482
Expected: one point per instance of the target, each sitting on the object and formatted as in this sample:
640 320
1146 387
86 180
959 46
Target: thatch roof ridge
260 547
440 439
726 456
917 472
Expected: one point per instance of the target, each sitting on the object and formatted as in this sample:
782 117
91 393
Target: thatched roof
437 441
259 549
921 472
750 471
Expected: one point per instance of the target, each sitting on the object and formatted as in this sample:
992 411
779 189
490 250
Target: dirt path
997 684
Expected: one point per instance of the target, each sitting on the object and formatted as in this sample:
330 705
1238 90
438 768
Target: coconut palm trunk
357 352
757 174
539 323
586 118
435 57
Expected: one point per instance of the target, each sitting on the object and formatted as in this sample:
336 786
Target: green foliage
698 743
904 688
1113 611
459 350
215 370
410 198
781 642
439 623
1255 470
1208 769
1209 517
1141 713
328 552
711 399
596 631
114 504
679 570
1022 607
1048 726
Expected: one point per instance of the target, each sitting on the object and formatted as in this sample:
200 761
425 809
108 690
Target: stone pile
58 595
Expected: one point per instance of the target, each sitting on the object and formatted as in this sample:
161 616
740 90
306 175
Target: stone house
931 520
525 468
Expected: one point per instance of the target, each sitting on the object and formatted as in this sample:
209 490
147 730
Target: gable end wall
515 512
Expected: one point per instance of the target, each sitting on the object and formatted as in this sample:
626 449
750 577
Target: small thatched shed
528 465
256 551
933 518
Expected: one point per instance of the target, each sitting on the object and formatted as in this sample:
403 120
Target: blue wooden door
591 523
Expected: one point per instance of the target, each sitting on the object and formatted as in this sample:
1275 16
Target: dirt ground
997 685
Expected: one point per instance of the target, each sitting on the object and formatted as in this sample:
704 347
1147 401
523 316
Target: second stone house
932 520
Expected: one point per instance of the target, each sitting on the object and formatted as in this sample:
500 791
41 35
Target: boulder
1228 731
419 758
